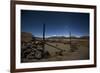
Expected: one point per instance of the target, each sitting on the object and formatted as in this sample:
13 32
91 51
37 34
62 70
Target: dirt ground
78 50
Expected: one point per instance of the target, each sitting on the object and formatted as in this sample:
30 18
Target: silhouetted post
44 32
43 37
70 39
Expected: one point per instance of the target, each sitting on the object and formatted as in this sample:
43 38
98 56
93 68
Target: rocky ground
56 52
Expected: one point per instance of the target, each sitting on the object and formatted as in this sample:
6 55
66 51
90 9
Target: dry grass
78 50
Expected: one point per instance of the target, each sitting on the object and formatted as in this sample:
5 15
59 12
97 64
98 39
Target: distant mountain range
63 37
28 36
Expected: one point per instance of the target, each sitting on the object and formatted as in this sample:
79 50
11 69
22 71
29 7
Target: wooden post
43 38
70 39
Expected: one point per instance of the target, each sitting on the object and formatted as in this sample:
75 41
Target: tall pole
70 39
43 37
43 32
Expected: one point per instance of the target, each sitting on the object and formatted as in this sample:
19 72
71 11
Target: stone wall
26 36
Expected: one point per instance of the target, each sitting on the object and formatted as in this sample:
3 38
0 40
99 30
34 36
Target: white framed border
20 65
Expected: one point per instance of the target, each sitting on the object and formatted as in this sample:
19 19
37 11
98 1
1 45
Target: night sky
57 23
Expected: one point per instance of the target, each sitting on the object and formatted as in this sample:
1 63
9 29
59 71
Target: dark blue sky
57 23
